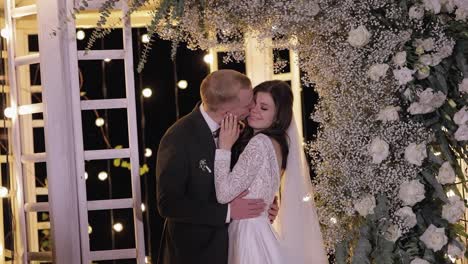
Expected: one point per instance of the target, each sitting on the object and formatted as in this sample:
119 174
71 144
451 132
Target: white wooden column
59 133
258 60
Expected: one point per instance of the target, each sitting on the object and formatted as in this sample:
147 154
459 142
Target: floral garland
393 84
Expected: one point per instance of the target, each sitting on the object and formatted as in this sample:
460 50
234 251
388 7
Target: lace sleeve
229 184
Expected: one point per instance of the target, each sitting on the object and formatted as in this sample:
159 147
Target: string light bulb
4 32
143 207
9 112
307 198
147 92
103 175
80 35
208 58
99 122
148 152
107 59
145 38
182 84
90 229
3 192
118 227
450 193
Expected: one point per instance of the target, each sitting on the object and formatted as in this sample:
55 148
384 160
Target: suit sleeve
172 175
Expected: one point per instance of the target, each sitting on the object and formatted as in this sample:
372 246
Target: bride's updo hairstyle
283 98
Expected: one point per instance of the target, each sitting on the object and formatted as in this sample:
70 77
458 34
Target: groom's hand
273 212
246 208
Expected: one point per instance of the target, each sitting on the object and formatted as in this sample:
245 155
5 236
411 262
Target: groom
196 226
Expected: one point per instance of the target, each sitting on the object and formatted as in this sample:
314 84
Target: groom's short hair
222 86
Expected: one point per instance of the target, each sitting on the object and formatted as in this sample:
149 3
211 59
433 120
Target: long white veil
297 222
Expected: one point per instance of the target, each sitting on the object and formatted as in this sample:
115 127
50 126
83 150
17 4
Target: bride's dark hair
283 98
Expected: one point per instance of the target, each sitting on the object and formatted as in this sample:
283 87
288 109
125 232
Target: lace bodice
256 170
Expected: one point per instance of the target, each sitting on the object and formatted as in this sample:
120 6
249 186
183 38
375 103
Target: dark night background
102 80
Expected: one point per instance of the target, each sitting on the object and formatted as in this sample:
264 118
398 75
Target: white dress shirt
213 125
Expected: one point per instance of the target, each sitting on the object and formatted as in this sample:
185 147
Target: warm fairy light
182 84
147 92
208 58
145 38
99 121
9 112
148 152
4 32
80 34
118 227
3 192
107 59
85 175
90 229
102 175
307 198
143 207
450 193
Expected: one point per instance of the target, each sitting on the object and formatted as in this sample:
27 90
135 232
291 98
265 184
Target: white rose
404 75
389 113
416 153
407 215
454 210
436 59
432 5
428 44
461 117
359 37
419 261
411 192
392 233
435 100
461 14
447 6
462 133
446 50
455 251
379 150
461 4
425 59
416 12
365 205
377 71
434 238
463 86
446 174
417 108
400 58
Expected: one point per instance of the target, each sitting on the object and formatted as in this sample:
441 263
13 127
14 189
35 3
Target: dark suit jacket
194 230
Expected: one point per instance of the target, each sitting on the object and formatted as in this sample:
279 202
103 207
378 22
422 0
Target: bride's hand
229 132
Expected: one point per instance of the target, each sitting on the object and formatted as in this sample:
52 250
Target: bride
270 155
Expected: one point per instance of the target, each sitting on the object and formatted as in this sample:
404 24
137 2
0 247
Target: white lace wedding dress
251 241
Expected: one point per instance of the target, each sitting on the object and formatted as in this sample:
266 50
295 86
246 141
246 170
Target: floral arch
390 157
